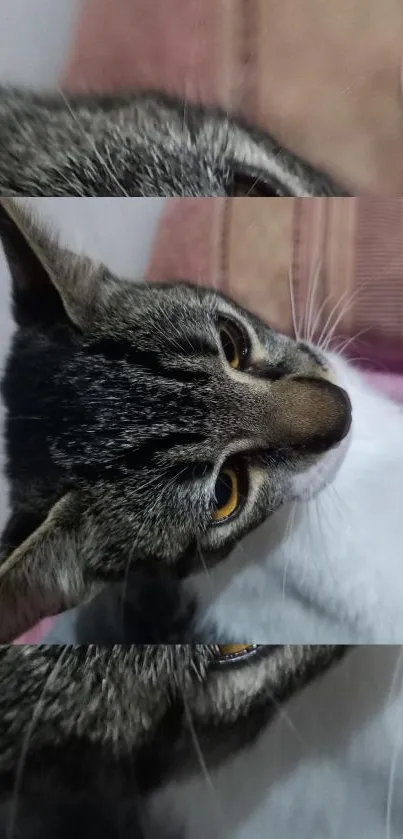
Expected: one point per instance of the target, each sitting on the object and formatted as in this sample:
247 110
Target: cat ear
50 284
42 576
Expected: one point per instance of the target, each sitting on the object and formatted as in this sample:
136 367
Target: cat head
147 426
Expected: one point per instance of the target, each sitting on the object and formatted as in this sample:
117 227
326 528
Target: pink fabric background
248 247
322 76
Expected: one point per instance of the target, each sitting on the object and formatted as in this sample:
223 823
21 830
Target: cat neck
329 569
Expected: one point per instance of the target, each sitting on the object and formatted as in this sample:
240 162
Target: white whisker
283 715
394 760
92 144
341 348
293 306
290 525
205 568
347 299
10 833
317 273
328 325
203 765
319 314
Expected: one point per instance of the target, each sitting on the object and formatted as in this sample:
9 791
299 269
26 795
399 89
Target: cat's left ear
49 571
51 284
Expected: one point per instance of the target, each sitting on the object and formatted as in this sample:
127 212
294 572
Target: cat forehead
191 307
186 299
161 312
133 301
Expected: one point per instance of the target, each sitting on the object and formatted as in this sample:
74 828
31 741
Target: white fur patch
329 569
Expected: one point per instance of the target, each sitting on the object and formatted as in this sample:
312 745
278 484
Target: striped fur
142 144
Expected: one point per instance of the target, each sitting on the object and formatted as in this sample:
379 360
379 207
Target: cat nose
311 414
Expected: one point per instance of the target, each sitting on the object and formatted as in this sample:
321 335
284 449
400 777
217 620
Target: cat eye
228 494
235 653
234 343
253 185
226 650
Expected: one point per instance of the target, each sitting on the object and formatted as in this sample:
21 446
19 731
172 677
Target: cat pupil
223 489
228 346
251 186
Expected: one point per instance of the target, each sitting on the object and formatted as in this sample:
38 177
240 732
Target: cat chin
310 483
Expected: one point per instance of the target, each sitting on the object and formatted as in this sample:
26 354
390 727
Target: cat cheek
306 485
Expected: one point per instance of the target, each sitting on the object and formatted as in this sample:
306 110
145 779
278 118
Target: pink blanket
323 76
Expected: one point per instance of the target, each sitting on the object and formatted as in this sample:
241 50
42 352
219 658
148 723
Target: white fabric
35 39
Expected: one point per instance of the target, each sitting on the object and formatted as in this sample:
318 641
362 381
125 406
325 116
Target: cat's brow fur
144 144
120 410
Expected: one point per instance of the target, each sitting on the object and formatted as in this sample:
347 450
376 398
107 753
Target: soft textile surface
344 254
324 77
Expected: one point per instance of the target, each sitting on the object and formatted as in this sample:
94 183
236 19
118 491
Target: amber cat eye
228 653
234 649
233 342
227 494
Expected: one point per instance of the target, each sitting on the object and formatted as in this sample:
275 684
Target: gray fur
122 410
108 695
87 733
116 697
140 144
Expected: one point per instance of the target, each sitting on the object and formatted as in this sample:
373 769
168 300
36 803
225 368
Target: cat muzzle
309 414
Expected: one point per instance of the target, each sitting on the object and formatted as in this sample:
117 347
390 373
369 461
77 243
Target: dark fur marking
35 298
151 361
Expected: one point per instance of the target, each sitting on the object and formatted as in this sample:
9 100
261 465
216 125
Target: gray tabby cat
143 144
88 733
137 427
